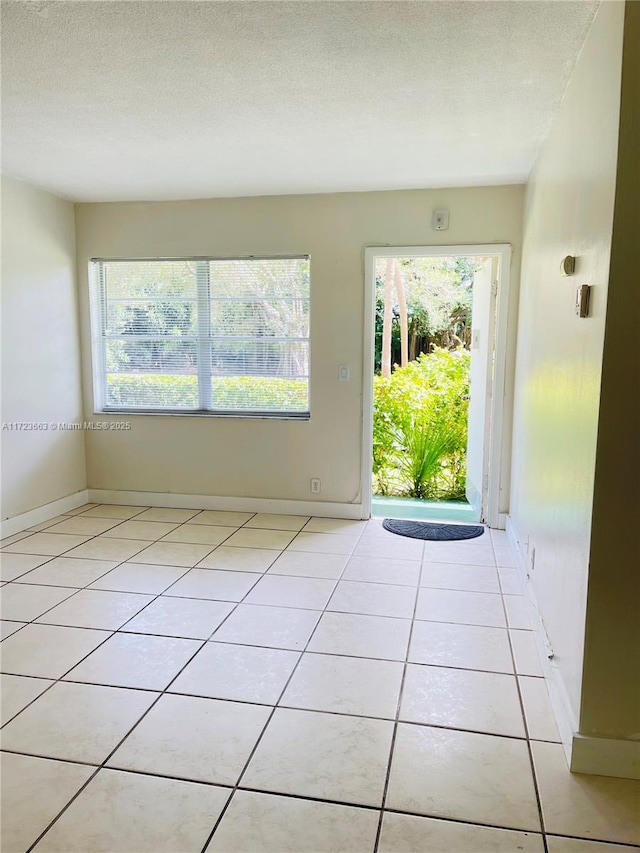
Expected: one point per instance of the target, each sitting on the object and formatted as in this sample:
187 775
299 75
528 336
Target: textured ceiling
167 99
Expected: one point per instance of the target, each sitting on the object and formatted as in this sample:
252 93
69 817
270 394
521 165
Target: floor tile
380 570
24 602
467 608
204 740
268 521
466 646
162 514
39 528
412 834
343 685
148 530
347 526
323 543
16 691
241 673
213 516
34 790
462 699
541 723
555 844
200 534
596 807
510 582
68 571
272 824
276 540
325 756
211 583
81 509
473 552
109 549
83 526
132 813
9 540
239 559
464 776
180 617
48 651
46 544
519 612
113 511
363 636
8 628
139 577
273 627
374 599
92 608
459 576
312 593
525 653
13 566
306 564
173 554
504 556
398 548
135 660
76 722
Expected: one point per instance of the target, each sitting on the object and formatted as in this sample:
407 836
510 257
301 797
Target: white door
482 333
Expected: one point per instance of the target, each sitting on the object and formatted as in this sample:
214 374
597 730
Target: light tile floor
186 681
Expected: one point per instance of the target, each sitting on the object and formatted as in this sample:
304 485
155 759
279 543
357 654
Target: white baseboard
324 509
562 711
42 513
606 757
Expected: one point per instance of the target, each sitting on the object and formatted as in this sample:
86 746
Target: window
196 335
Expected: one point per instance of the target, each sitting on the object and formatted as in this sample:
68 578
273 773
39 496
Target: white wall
569 211
611 680
40 349
259 458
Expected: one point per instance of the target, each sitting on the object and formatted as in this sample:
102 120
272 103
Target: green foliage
144 390
420 427
438 291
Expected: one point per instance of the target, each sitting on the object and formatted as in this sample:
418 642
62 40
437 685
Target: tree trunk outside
402 305
387 319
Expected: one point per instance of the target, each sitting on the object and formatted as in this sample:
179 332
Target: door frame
494 443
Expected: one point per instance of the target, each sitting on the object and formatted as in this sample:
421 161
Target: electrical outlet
315 486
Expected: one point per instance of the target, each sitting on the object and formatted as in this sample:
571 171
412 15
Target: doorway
435 362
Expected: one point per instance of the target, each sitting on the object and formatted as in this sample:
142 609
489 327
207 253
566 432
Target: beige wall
611 685
569 211
260 458
40 349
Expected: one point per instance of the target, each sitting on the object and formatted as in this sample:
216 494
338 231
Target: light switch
343 372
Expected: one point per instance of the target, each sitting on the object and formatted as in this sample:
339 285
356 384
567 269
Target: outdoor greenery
423 331
420 427
431 297
131 390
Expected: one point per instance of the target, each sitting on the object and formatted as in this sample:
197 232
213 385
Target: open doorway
434 380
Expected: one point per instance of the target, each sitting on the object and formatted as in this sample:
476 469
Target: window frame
98 319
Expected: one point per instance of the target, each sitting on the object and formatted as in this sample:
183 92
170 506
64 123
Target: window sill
201 413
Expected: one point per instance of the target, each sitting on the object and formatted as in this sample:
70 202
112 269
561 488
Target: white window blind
197 335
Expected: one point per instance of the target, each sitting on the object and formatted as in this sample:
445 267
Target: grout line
397 718
121 741
527 738
266 726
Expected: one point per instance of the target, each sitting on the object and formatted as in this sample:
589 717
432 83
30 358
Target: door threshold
420 510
